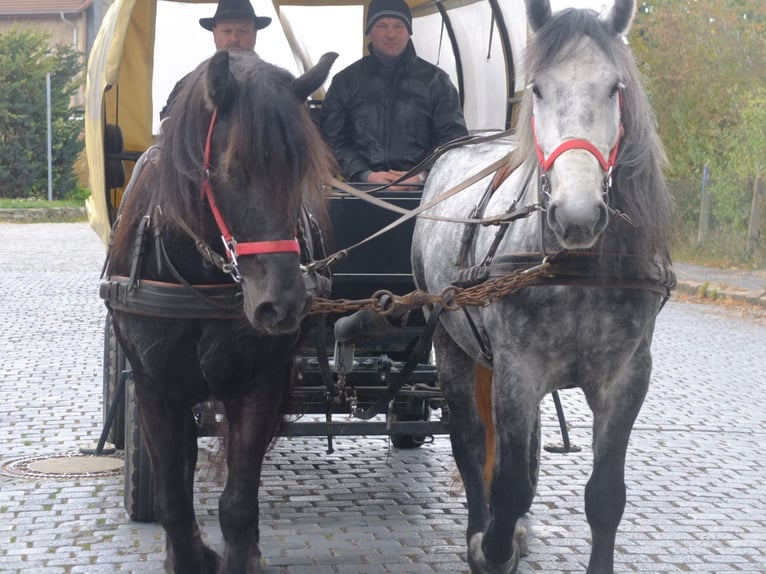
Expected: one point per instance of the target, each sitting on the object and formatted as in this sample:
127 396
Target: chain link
453 298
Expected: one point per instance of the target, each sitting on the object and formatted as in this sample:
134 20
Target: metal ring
447 298
376 302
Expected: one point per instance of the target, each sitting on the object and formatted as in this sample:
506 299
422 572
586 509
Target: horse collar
232 247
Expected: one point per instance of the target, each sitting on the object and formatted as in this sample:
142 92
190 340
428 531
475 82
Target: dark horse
589 168
198 320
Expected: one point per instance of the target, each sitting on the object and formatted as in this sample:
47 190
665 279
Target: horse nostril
551 216
603 219
267 315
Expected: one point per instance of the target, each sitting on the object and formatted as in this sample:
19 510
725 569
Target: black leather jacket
378 117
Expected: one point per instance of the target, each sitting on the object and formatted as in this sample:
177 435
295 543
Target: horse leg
497 549
252 420
171 438
456 377
605 492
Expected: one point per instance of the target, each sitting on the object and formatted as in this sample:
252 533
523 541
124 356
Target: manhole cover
63 466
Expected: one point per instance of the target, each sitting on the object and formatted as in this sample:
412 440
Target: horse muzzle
275 299
576 211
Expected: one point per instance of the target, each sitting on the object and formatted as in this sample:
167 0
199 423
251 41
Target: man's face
389 36
234 35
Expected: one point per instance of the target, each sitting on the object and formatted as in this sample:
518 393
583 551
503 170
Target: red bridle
233 248
606 164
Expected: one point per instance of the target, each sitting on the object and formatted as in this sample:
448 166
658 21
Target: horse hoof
479 563
521 538
208 562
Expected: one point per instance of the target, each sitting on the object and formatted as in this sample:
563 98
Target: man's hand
385 177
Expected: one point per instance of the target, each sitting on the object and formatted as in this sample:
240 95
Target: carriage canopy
478 42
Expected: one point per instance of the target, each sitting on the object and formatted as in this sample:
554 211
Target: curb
708 292
43 215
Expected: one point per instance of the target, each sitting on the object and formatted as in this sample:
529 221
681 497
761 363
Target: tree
705 65
25 59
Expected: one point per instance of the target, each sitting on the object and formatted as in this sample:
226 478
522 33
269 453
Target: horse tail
484 406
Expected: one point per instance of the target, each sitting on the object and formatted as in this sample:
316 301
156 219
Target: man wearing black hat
386 112
234 26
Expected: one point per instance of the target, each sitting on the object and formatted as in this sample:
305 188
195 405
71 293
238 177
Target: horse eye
536 91
616 89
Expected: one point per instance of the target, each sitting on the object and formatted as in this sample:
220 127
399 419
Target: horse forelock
639 188
274 138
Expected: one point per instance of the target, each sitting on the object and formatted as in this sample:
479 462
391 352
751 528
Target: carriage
375 380
565 297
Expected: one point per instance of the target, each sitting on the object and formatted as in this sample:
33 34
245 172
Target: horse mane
271 136
639 189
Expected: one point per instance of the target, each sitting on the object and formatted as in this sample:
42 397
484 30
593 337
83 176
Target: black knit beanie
388 9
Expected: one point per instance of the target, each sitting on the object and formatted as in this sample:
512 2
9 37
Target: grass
39 203
721 250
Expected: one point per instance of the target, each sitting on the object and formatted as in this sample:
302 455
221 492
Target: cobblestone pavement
696 485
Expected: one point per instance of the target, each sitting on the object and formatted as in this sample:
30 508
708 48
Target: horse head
265 156
574 100
241 156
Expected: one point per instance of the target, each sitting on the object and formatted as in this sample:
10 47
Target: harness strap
170 300
481 338
469 234
478 176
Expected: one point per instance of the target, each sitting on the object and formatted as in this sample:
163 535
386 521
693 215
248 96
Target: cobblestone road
696 484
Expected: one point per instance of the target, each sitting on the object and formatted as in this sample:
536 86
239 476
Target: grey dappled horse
241 158
591 161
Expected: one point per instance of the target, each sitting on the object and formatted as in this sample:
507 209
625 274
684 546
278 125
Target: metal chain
453 298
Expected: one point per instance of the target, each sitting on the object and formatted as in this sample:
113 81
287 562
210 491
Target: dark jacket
378 117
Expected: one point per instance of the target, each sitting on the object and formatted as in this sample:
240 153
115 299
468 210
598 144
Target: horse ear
538 13
620 17
219 82
315 77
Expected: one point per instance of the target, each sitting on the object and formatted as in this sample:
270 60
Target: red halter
606 164
233 249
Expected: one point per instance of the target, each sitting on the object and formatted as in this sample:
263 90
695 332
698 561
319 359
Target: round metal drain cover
63 466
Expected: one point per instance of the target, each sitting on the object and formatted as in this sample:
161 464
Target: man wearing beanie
388 111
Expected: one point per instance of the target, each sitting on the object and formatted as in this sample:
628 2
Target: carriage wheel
406 440
114 364
139 483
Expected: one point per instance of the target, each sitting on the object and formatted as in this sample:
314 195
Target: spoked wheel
114 364
139 482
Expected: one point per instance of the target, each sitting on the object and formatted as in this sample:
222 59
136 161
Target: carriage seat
115 173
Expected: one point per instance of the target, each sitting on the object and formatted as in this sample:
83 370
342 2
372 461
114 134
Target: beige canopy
478 42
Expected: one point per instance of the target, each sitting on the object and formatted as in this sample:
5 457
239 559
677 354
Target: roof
25 7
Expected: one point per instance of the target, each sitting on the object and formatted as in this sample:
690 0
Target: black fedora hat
235 10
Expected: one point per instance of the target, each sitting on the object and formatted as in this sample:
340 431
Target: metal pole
705 201
50 136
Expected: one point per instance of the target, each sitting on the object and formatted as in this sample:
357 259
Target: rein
232 246
478 176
